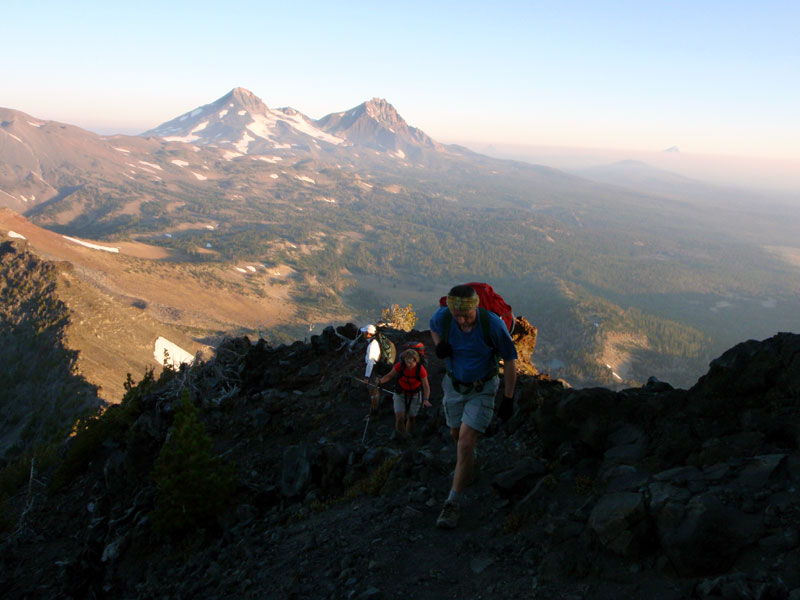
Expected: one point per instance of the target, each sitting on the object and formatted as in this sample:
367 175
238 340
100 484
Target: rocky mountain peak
244 98
380 110
377 124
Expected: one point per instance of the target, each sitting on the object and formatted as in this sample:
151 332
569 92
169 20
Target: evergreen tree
194 486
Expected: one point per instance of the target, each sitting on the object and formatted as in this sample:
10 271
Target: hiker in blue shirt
472 381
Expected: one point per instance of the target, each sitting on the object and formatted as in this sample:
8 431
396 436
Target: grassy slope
120 304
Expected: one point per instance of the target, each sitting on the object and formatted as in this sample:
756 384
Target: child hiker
413 391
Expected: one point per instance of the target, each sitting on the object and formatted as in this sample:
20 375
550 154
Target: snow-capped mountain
242 123
376 124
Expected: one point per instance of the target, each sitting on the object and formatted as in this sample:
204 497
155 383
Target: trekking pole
372 385
366 424
364 437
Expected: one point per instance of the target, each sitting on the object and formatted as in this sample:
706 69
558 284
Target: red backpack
492 301
418 346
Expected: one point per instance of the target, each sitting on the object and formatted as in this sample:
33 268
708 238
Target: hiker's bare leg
410 424
467 439
454 434
399 422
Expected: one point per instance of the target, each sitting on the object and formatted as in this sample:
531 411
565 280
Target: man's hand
443 350
506 408
426 403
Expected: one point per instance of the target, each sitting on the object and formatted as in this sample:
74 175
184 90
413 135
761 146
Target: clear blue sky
706 76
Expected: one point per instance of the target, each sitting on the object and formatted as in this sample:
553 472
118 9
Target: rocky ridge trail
649 492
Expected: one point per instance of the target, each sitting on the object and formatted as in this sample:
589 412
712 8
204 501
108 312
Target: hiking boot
448 518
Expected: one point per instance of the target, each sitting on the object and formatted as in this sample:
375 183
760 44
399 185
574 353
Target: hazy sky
706 76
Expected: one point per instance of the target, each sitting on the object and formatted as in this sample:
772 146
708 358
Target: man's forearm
509 376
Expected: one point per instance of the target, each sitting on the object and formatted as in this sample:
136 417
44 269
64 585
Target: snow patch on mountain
170 353
243 144
186 139
13 136
297 121
90 245
266 126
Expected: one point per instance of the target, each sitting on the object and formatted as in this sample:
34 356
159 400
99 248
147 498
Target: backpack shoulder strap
414 374
447 320
483 317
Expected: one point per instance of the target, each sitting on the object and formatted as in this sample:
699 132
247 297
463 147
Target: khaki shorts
414 406
474 409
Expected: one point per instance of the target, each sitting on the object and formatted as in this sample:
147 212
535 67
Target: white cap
369 329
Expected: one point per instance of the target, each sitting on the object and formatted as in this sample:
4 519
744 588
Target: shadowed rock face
40 392
648 492
753 372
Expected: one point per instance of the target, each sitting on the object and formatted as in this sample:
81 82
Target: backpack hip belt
475 386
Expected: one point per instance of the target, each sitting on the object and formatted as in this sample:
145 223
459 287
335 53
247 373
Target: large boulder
707 536
519 479
296 470
619 520
587 416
